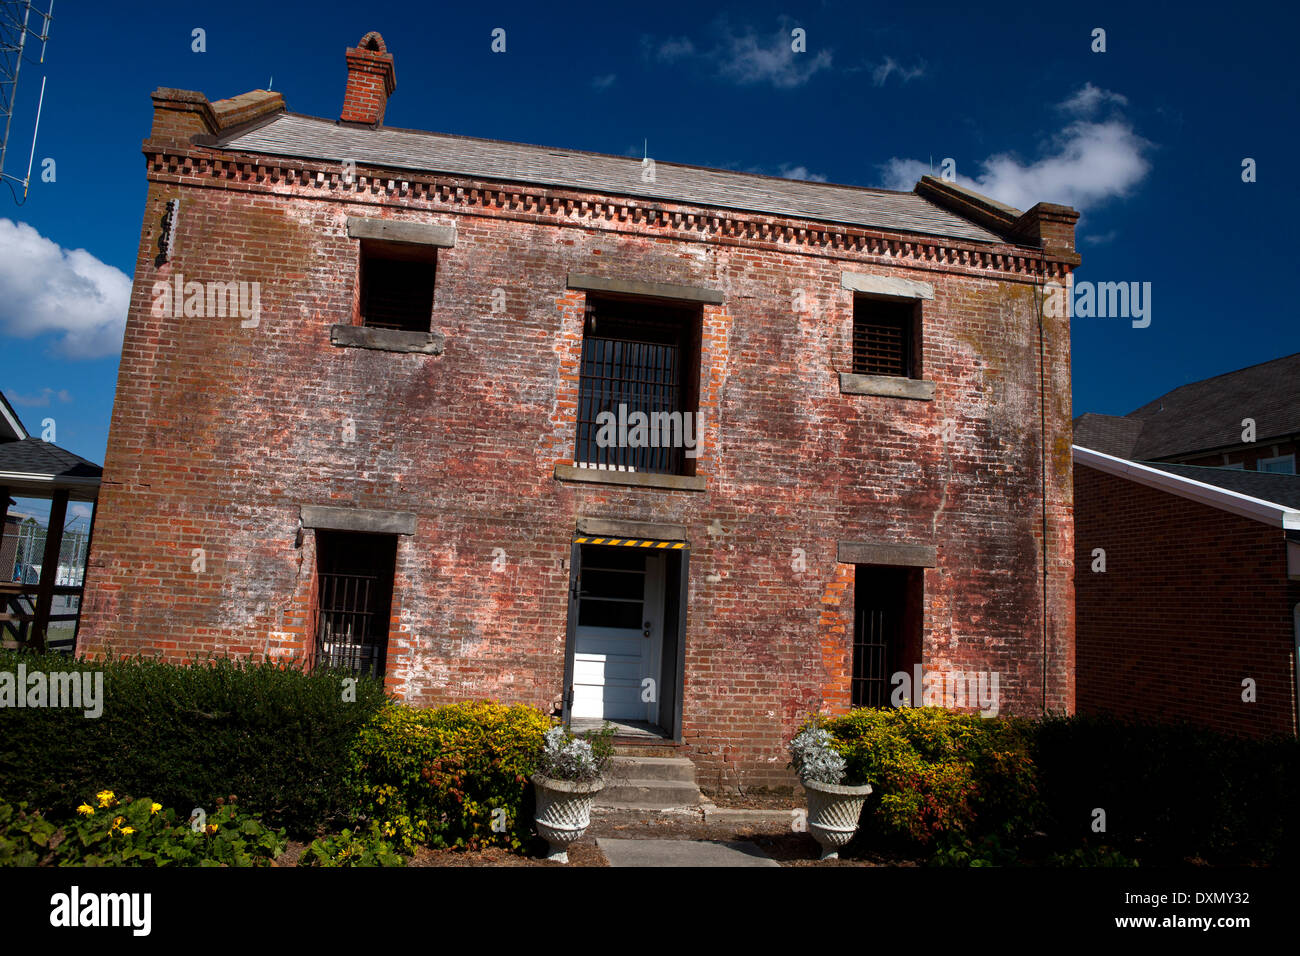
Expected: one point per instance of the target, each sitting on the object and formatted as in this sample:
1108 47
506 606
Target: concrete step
641 794
649 783
646 750
677 769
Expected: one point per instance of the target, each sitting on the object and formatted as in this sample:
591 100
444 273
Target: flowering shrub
814 757
108 832
940 777
449 776
580 759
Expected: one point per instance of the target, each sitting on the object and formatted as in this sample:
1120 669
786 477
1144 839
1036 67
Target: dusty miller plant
580 759
814 757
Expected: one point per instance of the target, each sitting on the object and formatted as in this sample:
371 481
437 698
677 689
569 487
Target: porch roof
35 468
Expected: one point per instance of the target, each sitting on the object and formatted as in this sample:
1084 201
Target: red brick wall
220 433
1193 600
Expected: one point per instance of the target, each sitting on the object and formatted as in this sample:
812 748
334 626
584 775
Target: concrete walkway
682 853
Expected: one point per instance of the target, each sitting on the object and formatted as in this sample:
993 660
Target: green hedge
276 737
959 788
453 776
1171 793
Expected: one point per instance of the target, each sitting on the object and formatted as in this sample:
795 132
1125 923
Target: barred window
354 580
884 337
397 286
639 367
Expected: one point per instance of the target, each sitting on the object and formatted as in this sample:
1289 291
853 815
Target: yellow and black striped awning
633 543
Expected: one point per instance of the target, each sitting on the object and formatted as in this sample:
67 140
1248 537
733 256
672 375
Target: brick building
1188 593
364 415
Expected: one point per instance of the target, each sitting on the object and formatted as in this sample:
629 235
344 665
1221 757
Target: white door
619 634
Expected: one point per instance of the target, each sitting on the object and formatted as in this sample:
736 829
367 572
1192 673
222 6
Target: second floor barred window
884 337
638 379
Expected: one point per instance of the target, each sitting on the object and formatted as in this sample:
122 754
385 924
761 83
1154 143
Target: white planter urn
833 811
563 812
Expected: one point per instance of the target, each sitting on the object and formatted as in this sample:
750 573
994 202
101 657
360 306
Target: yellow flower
85 809
154 808
127 831
105 797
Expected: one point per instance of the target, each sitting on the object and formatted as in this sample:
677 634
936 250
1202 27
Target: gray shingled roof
1208 414
289 134
31 456
1108 434
1279 489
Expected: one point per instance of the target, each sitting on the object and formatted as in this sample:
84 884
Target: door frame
673 725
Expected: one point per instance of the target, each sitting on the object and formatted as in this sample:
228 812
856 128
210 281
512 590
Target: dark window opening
638 356
885 337
886 632
397 286
354 574
611 587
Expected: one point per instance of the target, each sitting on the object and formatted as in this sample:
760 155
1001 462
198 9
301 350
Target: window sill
635 479
385 340
889 386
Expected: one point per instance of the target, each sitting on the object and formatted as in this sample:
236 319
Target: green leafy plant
106 831
369 847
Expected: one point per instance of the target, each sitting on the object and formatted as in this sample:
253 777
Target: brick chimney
371 81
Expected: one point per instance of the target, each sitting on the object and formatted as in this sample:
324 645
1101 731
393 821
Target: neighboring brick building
1200 591
403 395
1247 419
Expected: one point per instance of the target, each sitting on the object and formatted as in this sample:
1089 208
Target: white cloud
800 172
604 82
746 58
1084 164
46 289
41 398
675 48
1089 99
890 66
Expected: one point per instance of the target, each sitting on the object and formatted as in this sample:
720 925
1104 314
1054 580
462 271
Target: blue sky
1147 139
